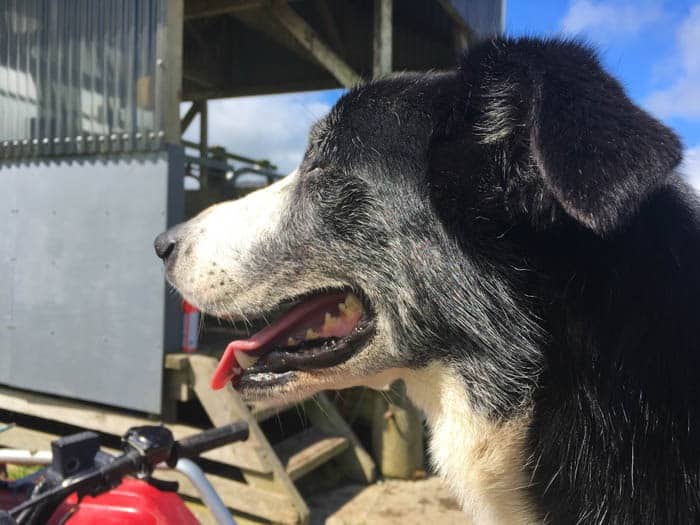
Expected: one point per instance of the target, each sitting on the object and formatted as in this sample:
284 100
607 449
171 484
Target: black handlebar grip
193 446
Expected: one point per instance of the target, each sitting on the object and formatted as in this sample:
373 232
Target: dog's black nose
165 243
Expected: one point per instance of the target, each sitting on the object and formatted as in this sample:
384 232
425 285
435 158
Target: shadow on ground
421 502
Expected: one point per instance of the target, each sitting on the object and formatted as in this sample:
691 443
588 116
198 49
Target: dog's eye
314 173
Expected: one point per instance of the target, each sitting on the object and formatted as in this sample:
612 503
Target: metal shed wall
84 311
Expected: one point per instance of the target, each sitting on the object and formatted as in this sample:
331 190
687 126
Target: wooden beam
303 452
189 117
382 38
240 497
331 26
266 24
282 86
169 70
311 41
207 8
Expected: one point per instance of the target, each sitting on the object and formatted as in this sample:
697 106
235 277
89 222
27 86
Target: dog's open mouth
319 331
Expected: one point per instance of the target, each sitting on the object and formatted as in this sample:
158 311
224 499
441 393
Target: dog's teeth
329 323
311 335
341 307
244 359
292 342
352 306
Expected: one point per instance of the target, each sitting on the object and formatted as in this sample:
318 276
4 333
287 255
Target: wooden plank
264 410
225 406
303 452
382 38
35 440
207 8
356 461
310 40
240 497
241 455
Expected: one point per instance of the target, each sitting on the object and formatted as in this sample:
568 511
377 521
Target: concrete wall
84 310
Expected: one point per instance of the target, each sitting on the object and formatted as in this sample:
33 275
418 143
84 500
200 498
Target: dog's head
391 246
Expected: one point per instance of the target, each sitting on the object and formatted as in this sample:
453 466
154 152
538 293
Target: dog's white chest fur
482 461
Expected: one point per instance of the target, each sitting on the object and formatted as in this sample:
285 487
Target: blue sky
651 46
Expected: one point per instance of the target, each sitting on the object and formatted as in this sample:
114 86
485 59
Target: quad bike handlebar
78 466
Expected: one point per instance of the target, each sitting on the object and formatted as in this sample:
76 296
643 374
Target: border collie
511 240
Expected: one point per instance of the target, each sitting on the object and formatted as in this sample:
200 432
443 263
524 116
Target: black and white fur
533 264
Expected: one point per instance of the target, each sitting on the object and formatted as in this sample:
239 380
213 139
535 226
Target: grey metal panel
82 309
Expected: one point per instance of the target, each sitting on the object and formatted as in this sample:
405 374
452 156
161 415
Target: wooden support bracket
189 116
207 8
314 44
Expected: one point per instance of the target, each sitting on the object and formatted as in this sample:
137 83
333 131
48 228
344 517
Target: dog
512 240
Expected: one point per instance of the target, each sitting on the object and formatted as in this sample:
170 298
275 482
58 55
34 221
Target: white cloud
273 127
681 98
604 21
691 166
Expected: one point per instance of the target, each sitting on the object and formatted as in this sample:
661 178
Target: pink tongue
295 321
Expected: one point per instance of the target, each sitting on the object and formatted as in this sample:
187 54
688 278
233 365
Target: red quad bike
83 485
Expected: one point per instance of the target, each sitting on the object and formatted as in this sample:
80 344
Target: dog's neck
483 461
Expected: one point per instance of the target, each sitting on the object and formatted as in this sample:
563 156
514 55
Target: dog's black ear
564 121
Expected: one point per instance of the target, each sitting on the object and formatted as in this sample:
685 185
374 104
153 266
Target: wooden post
397 434
382 38
203 143
169 69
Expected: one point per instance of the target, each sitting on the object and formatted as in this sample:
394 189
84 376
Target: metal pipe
208 494
25 457
240 158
